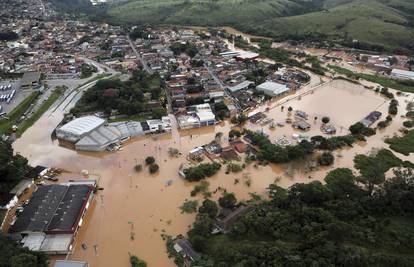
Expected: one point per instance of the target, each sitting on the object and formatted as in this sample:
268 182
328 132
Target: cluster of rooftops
50 219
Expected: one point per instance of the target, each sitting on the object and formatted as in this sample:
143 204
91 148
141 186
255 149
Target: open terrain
376 24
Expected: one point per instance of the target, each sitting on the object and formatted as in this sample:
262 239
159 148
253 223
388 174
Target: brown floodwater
143 206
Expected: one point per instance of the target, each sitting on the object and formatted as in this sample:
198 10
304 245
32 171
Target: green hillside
72 5
387 23
200 12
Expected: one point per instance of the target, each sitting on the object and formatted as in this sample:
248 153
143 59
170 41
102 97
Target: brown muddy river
143 206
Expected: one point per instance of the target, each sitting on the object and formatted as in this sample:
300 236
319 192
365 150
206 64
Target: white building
205 116
272 89
78 128
91 133
163 125
402 74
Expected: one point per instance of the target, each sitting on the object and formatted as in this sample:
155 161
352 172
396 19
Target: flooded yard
134 209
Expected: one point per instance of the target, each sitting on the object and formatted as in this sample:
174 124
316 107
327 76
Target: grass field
379 22
26 124
386 82
403 145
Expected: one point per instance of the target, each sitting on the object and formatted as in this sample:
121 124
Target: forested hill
387 23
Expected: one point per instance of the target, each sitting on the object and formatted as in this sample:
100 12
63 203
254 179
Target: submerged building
51 218
91 133
199 116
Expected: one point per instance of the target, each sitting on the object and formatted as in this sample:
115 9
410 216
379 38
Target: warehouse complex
91 133
272 89
51 219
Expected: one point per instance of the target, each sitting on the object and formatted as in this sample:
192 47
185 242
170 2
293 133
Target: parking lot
18 96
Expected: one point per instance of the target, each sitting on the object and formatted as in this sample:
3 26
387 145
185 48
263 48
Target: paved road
216 79
139 57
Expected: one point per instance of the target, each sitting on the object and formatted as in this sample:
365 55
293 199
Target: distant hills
74 6
376 24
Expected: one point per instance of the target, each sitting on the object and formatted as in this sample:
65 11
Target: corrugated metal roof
82 125
275 88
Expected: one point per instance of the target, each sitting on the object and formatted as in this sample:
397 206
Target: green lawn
403 145
26 124
17 112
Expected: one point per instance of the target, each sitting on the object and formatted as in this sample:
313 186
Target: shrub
326 120
326 159
201 171
383 124
173 152
234 134
150 160
408 124
240 119
189 206
233 167
360 129
138 167
153 168
202 187
393 108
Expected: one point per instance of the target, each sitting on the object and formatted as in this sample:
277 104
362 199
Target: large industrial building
272 89
92 133
402 74
51 219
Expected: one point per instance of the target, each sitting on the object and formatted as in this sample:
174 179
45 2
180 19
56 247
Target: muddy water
143 206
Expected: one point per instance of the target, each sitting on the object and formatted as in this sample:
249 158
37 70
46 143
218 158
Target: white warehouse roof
272 88
402 73
82 125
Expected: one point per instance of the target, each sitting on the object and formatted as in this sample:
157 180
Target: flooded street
134 209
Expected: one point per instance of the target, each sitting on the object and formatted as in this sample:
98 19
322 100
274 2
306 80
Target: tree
325 120
149 160
313 193
209 207
153 168
136 262
326 159
158 113
360 129
342 183
228 200
13 168
23 260
201 171
240 119
14 255
202 225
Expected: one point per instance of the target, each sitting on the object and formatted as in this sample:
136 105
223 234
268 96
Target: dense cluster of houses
56 47
210 81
